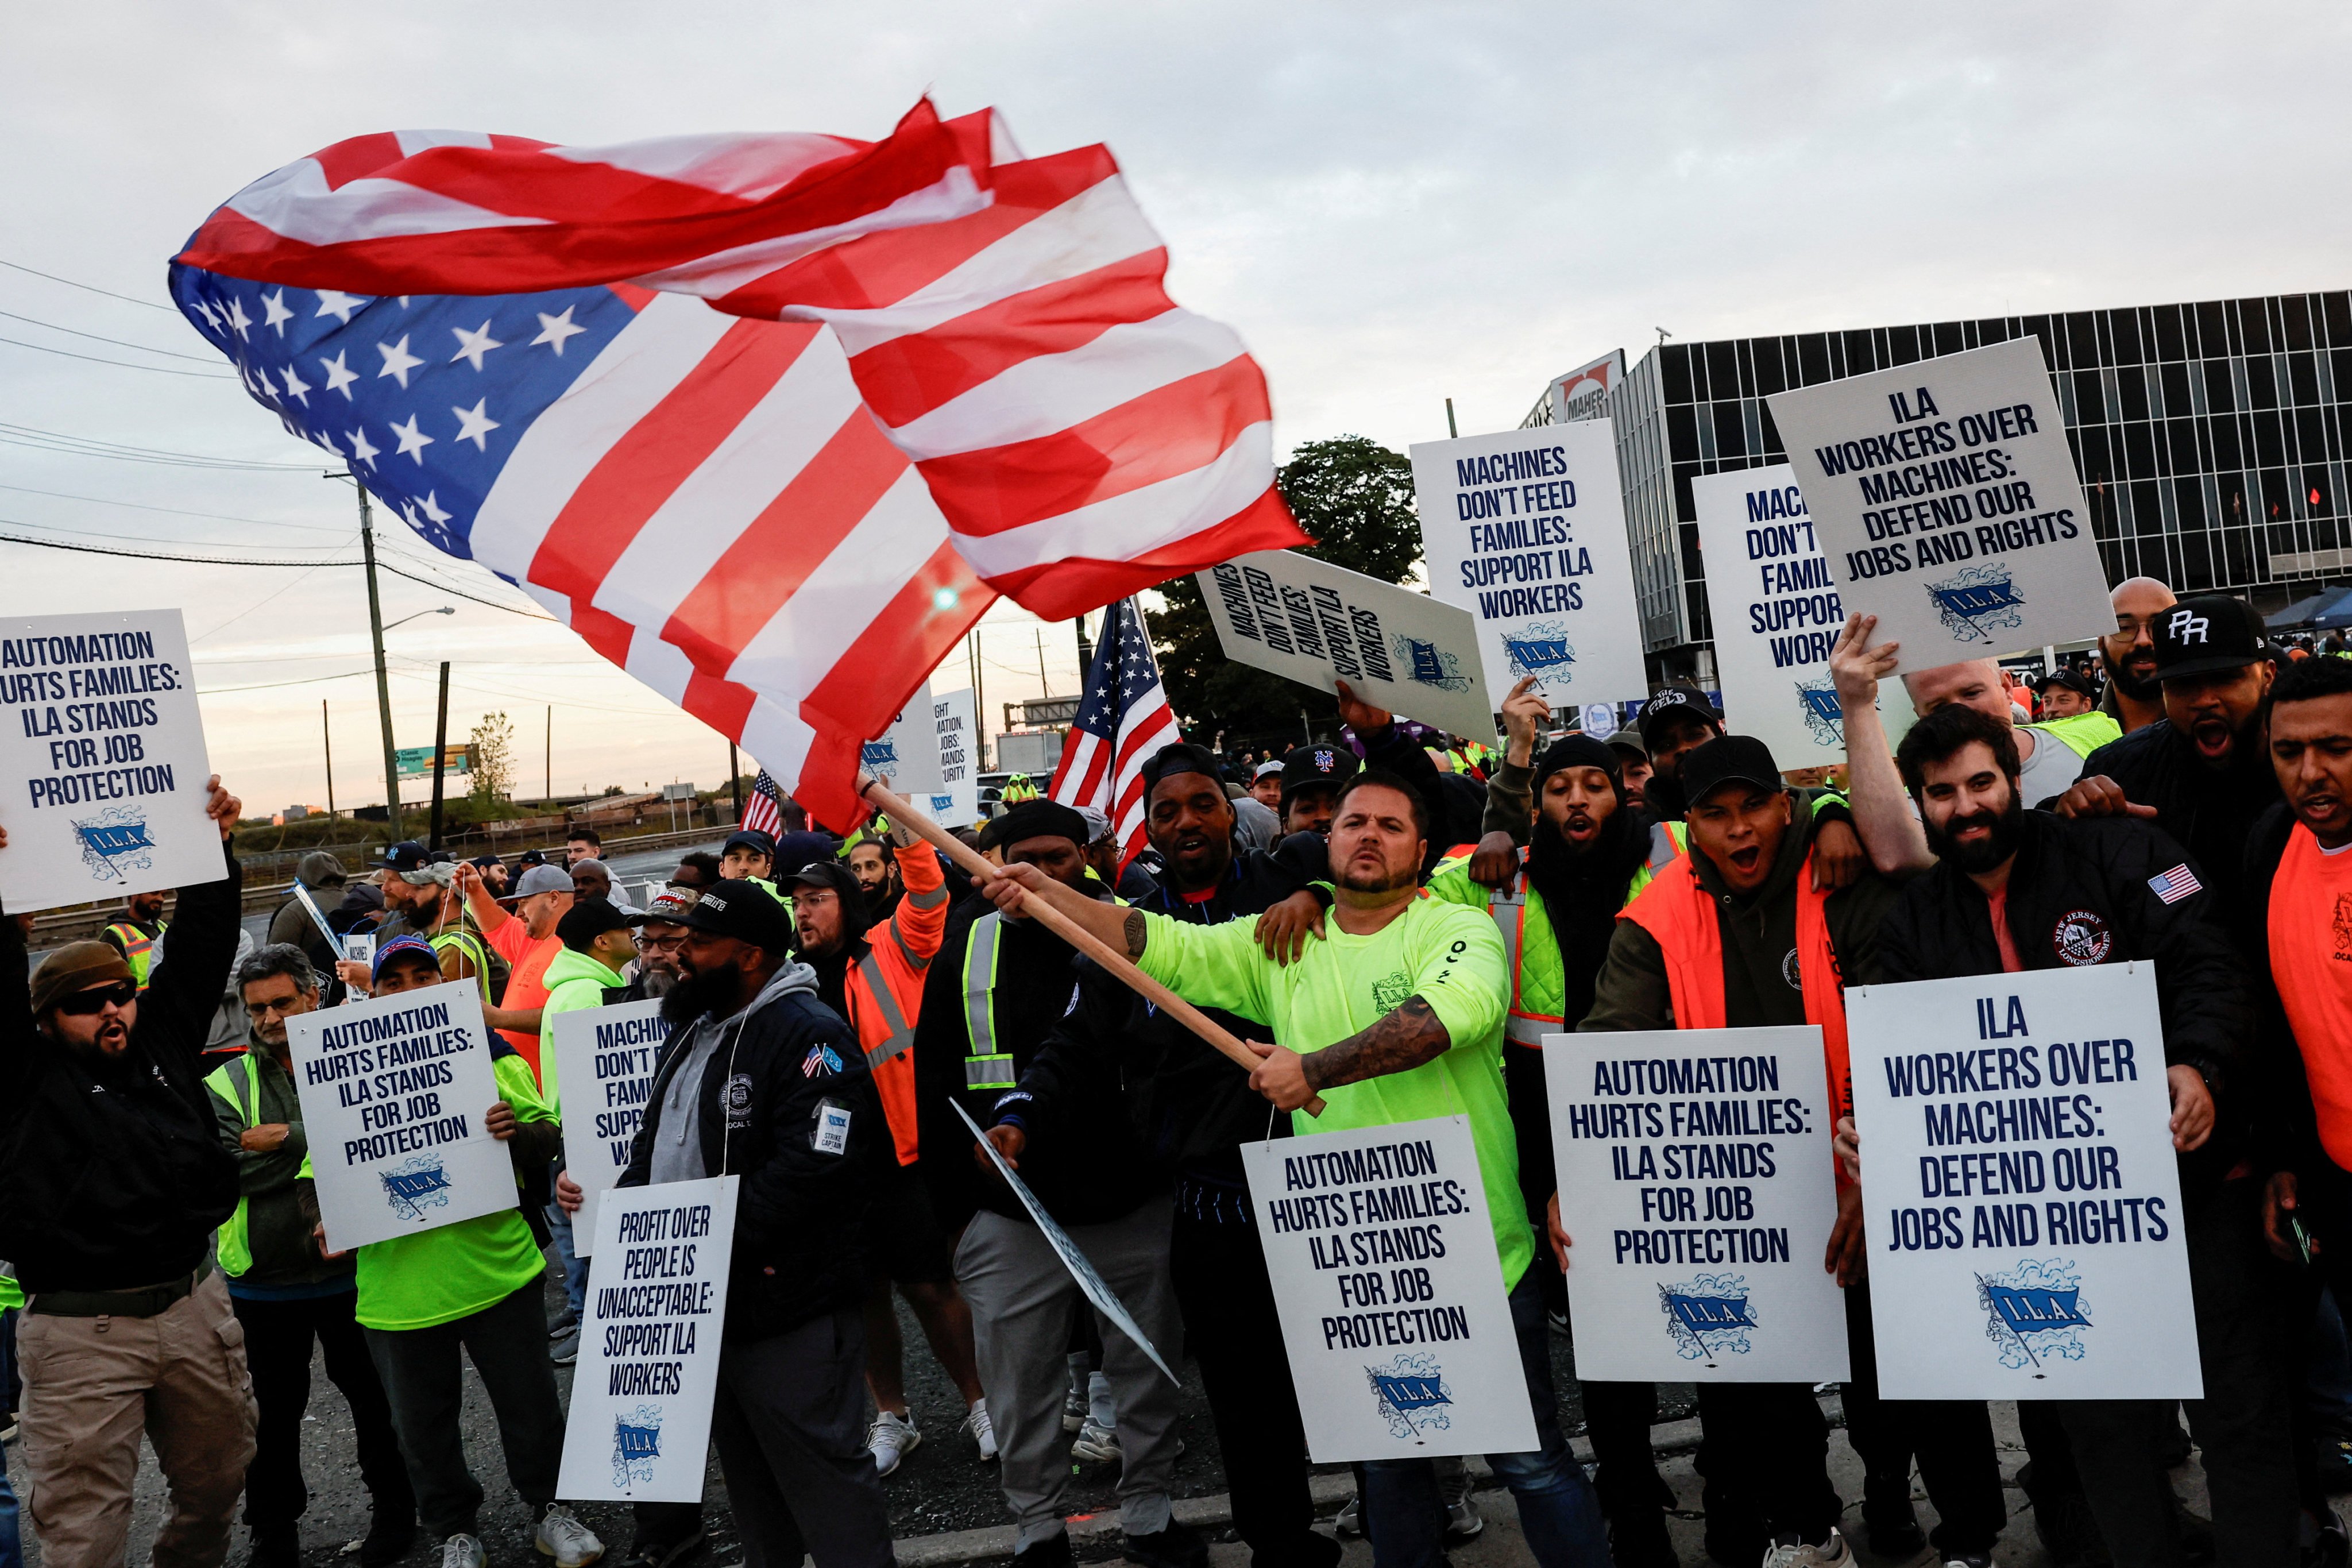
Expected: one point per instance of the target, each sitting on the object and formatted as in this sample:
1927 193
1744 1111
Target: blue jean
1558 1512
575 1267
12 1545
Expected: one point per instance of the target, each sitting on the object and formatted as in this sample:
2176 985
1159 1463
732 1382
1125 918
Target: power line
274 685
118 363
117 343
344 534
348 538
92 447
93 288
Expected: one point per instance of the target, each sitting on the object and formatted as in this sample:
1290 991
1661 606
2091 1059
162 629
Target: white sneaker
462 1552
560 1536
1830 1553
1463 1519
890 1440
982 1430
1349 1520
1097 1443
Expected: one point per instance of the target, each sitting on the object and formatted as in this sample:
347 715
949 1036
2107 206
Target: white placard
1525 531
1385 1275
956 803
2018 1186
639 1430
1317 623
102 763
605 1071
908 753
1945 497
1696 1184
393 1093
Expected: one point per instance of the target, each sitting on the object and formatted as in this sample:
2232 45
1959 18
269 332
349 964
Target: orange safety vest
1679 913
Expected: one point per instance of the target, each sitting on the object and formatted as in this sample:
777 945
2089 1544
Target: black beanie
1579 751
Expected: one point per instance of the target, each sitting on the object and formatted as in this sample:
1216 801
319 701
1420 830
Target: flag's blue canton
424 395
1122 675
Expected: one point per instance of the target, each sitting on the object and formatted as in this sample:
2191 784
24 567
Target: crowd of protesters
1397 918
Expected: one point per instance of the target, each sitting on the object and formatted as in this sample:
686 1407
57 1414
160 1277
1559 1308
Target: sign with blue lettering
1390 1292
1525 531
639 1428
2020 1189
603 1076
908 754
1317 623
1947 505
394 1090
955 721
1696 1185
102 763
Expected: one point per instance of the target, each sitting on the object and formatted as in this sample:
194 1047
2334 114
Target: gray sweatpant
1023 1304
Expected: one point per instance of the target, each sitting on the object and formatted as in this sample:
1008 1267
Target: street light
444 610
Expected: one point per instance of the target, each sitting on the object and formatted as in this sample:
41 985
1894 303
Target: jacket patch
2082 938
820 1062
737 1098
1792 974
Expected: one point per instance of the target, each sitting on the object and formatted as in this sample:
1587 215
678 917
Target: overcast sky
1392 203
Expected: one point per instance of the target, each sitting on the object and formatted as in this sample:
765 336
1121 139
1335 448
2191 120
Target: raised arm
480 902
1882 808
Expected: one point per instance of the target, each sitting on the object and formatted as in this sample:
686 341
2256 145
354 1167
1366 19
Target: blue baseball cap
386 951
407 855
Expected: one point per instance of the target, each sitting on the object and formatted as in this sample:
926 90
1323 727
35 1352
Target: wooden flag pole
1077 936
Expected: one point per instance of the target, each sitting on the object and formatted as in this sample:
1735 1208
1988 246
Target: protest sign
1526 531
639 1429
1696 1180
908 753
392 1094
605 1071
1946 499
2018 1184
1391 1295
1091 1284
1317 623
102 764
955 716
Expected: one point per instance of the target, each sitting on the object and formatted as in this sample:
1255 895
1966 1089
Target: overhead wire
92 447
117 343
93 288
180 511
119 363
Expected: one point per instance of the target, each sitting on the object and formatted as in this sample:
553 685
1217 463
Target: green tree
493 741
1354 498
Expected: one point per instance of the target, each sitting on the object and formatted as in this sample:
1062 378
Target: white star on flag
412 441
339 376
397 360
363 450
473 424
473 345
554 330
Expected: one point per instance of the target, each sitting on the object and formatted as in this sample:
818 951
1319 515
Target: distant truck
1035 752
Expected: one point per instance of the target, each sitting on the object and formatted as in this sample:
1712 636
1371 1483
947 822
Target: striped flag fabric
1123 719
770 420
764 813
2176 884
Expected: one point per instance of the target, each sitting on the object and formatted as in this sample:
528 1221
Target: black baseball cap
528 859
1673 705
2072 680
743 910
1316 766
2208 633
751 838
589 919
828 874
1182 757
407 855
1728 759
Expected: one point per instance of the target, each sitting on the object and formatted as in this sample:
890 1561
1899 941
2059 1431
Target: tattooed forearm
1397 1042
1135 933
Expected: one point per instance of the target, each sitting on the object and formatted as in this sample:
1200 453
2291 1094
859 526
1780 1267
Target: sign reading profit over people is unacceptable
1525 531
1696 1185
604 1063
639 1429
2019 1185
1947 505
1317 623
102 763
394 1092
1391 1295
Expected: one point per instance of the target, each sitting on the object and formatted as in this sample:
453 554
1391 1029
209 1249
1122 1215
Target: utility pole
1086 648
326 733
979 696
440 753
550 758
382 682
1043 689
735 782
1450 430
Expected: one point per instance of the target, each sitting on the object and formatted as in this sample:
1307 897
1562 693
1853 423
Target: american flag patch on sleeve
2176 884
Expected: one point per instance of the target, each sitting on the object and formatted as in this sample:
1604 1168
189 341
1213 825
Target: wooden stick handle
1077 936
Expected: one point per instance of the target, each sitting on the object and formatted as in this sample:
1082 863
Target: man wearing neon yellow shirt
1396 1016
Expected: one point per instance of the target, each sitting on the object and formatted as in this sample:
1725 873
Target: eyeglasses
82 1003
661 944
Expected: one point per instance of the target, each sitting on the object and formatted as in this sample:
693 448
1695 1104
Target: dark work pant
507 1342
2246 1349
1951 1438
1763 1450
1235 1333
278 1336
789 1428
1523 1079
665 1524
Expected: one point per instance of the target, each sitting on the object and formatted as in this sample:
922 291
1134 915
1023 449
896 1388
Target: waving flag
770 420
1123 719
763 813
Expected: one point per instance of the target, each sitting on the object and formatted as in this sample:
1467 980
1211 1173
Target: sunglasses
122 992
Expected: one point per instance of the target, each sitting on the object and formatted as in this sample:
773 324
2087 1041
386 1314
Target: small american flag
1122 720
2176 884
763 813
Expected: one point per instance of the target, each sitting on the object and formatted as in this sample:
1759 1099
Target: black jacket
2284 1133
112 1174
2205 811
2079 895
799 1213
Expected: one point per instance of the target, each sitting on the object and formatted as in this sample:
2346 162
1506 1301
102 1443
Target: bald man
2051 753
2135 700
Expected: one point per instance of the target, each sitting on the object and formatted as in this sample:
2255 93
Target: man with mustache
2135 700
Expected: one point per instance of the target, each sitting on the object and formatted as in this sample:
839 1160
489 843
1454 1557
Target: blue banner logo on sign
637 1444
114 842
1979 601
422 1184
1824 719
2036 1311
1709 1316
1538 649
1412 1393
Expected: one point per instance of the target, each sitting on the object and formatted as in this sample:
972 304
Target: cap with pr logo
2207 635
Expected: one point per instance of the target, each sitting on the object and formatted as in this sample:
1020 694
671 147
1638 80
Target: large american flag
763 813
1123 719
770 420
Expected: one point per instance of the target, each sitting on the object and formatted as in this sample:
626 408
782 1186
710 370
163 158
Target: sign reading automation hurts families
1947 505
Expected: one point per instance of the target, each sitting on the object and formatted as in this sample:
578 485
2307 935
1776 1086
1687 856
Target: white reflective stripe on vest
1508 905
900 1038
1662 848
986 1067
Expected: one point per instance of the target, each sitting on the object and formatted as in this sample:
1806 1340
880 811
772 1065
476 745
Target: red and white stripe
1109 775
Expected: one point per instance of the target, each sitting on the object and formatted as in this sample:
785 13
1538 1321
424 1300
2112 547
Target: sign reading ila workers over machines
2018 1186
394 1092
1696 1180
639 1430
1525 531
1385 1275
102 764
1947 505
604 1064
